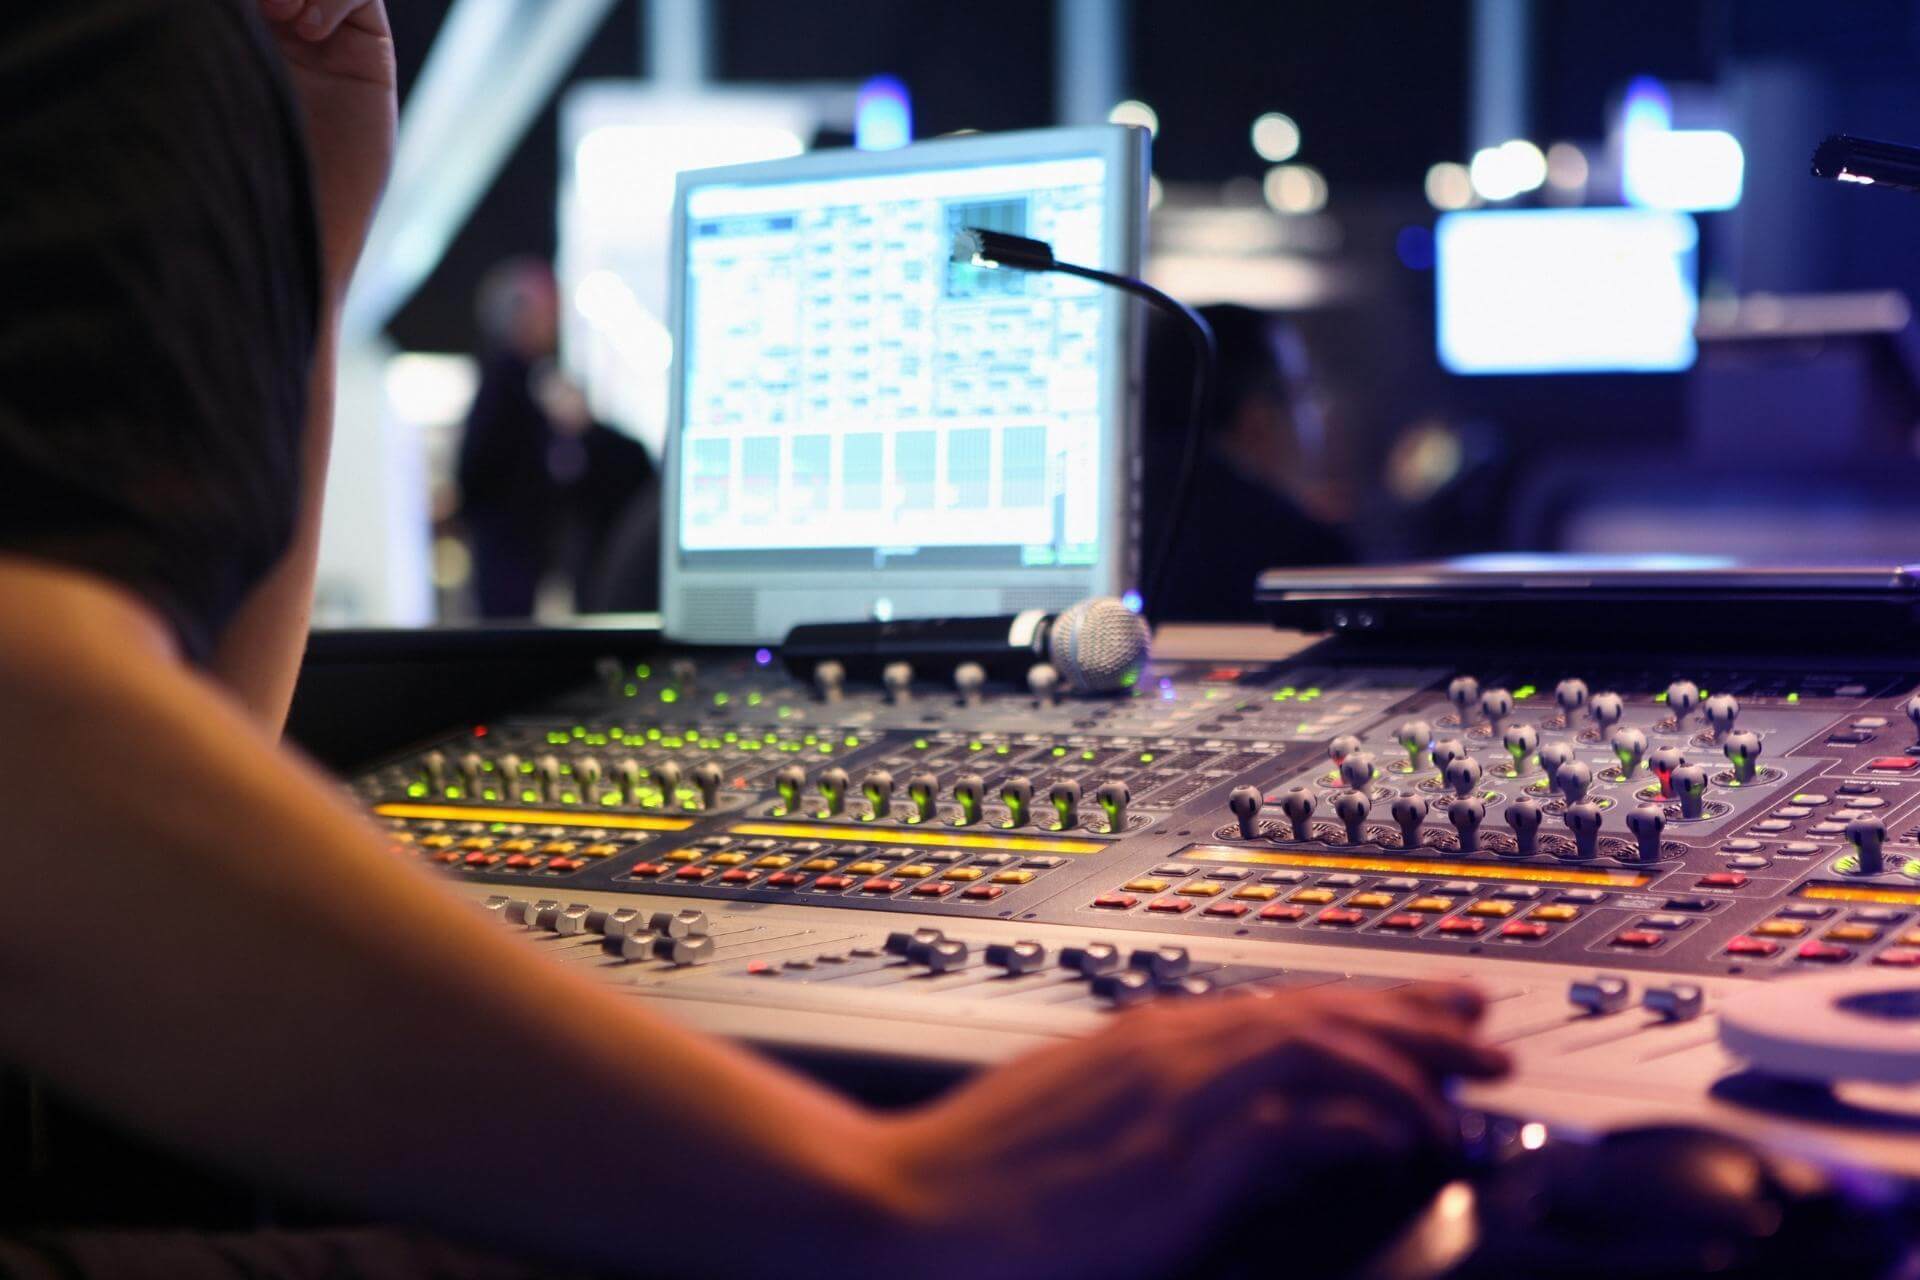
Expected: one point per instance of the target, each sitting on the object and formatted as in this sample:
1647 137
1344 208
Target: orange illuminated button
448 856
1170 906
1557 913
1312 897
1256 892
601 850
867 867
880 884
1198 889
1116 902
1281 911
982 892
557 846
1523 929
786 880
1145 884
682 855
931 889
772 861
1405 922
1911 938
481 842
964 874
1232 910
728 859
1371 901
833 884
1744 946
1642 939
1014 877
820 864
1340 917
914 871
479 858
1779 928
437 842
641 871
1899 957
1461 925
738 875
1491 907
1824 953
1853 933
1431 905
693 873
518 846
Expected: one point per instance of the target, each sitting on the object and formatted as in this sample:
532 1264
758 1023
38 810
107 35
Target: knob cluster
625 933
576 781
1060 808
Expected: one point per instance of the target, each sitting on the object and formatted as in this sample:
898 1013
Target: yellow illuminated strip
1850 893
534 817
893 835
1417 867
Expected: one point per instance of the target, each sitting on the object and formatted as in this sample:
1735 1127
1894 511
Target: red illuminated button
1721 880
833 883
982 892
693 873
1461 924
565 864
643 871
1282 911
1405 921
786 879
737 875
880 884
1231 910
1340 917
1170 906
1644 939
1523 929
448 856
1898 957
1893 764
1824 953
1745 946
1116 902
482 859
931 889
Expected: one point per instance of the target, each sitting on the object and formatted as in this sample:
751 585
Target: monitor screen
1566 291
863 426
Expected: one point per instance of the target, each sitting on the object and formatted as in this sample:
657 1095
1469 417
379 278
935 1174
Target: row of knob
1121 979
1605 710
969 683
549 779
626 933
1629 746
1064 797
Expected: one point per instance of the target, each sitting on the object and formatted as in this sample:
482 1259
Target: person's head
518 309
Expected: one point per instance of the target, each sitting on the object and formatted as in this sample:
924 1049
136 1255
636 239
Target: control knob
1520 741
1466 814
1113 797
897 677
877 787
1408 813
1570 696
1743 750
1016 793
1162 964
1352 808
707 778
1445 752
1573 779
1646 823
1663 762
1016 958
1690 784
1043 682
1606 710
1464 693
923 792
1721 710
1683 699
1244 804
1091 959
1414 737
1866 835
1552 756
832 785
1629 748
1341 747
1583 819
1463 775
1495 706
1297 805
1913 713
1356 771
1064 796
968 789
829 680
969 678
1524 817
667 776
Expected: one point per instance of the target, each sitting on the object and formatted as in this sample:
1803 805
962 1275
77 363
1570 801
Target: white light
625 172
1448 186
1276 137
1533 1135
1135 112
1295 188
1566 167
1691 169
1860 178
616 314
1505 171
430 390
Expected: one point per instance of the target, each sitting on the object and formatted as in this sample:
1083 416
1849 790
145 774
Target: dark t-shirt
159 280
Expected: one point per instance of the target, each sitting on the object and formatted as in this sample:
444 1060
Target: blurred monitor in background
1254 501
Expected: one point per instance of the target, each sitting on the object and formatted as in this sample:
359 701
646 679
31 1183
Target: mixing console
948 873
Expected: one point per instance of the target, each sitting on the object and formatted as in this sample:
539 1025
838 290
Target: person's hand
339 55
1115 1155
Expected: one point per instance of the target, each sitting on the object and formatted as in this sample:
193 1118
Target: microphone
1844 158
1097 645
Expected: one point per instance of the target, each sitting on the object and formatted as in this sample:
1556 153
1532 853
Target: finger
1453 998
315 20
1438 1048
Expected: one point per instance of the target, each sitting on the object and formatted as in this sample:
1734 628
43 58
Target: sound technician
201 940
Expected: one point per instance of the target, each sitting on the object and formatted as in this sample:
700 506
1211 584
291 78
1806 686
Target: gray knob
684 673
1646 823
1341 747
510 765
1520 741
1043 682
877 787
969 678
1414 737
1408 813
1466 814
1016 958
1721 710
1743 750
1352 808
471 767
1356 771
1683 699
571 920
1524 817
1162 964
829 679
683 951
1866 835
1064 796
1606 710
1570 696
1464 693
832 784
1496 705
589 771
898 679
621 923
1629 746
545 912
968 789
1552 756
547 770
1690 784
1091 959
631 775
1583 820
1446 751
923 791
1244 805
434 765
1663 762
1113 797
684 923
1297 805
1572 780
667 775
707 778
1016 793
1463 775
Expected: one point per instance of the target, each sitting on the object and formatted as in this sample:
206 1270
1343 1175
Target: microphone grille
1097 644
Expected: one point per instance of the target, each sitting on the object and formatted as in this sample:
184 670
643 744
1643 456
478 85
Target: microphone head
1097 645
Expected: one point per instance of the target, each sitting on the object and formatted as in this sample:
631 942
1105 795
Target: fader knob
1552 756
683 951
1341 747
1064 796
631 775
1583 820
628 946
1016 793
621 923
707 779
1866 835
923 791
898 679
832 785
967 791
471 767
1244 805
1663 762
829 680
1414 737
1496 705
684 673
969 678
1356 771
1466 814
1091 959
1043 682
434 765
1124 989
1606 710
1690 784
1683 699
1446 751
667 775
1572 780
787 784
1113 797
1463 775
1629 746
877 787
1162 964
1464 693
1743 750
1524 817
1913 714
1721 710
942 956
1646 823
1520 741
1408 813
511 767
684 923
1570 696
1016 958
1352 808
547 770
1297 805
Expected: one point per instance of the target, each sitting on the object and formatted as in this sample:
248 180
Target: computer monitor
861 427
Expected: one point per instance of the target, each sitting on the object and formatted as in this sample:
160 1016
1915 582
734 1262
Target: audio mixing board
944 876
